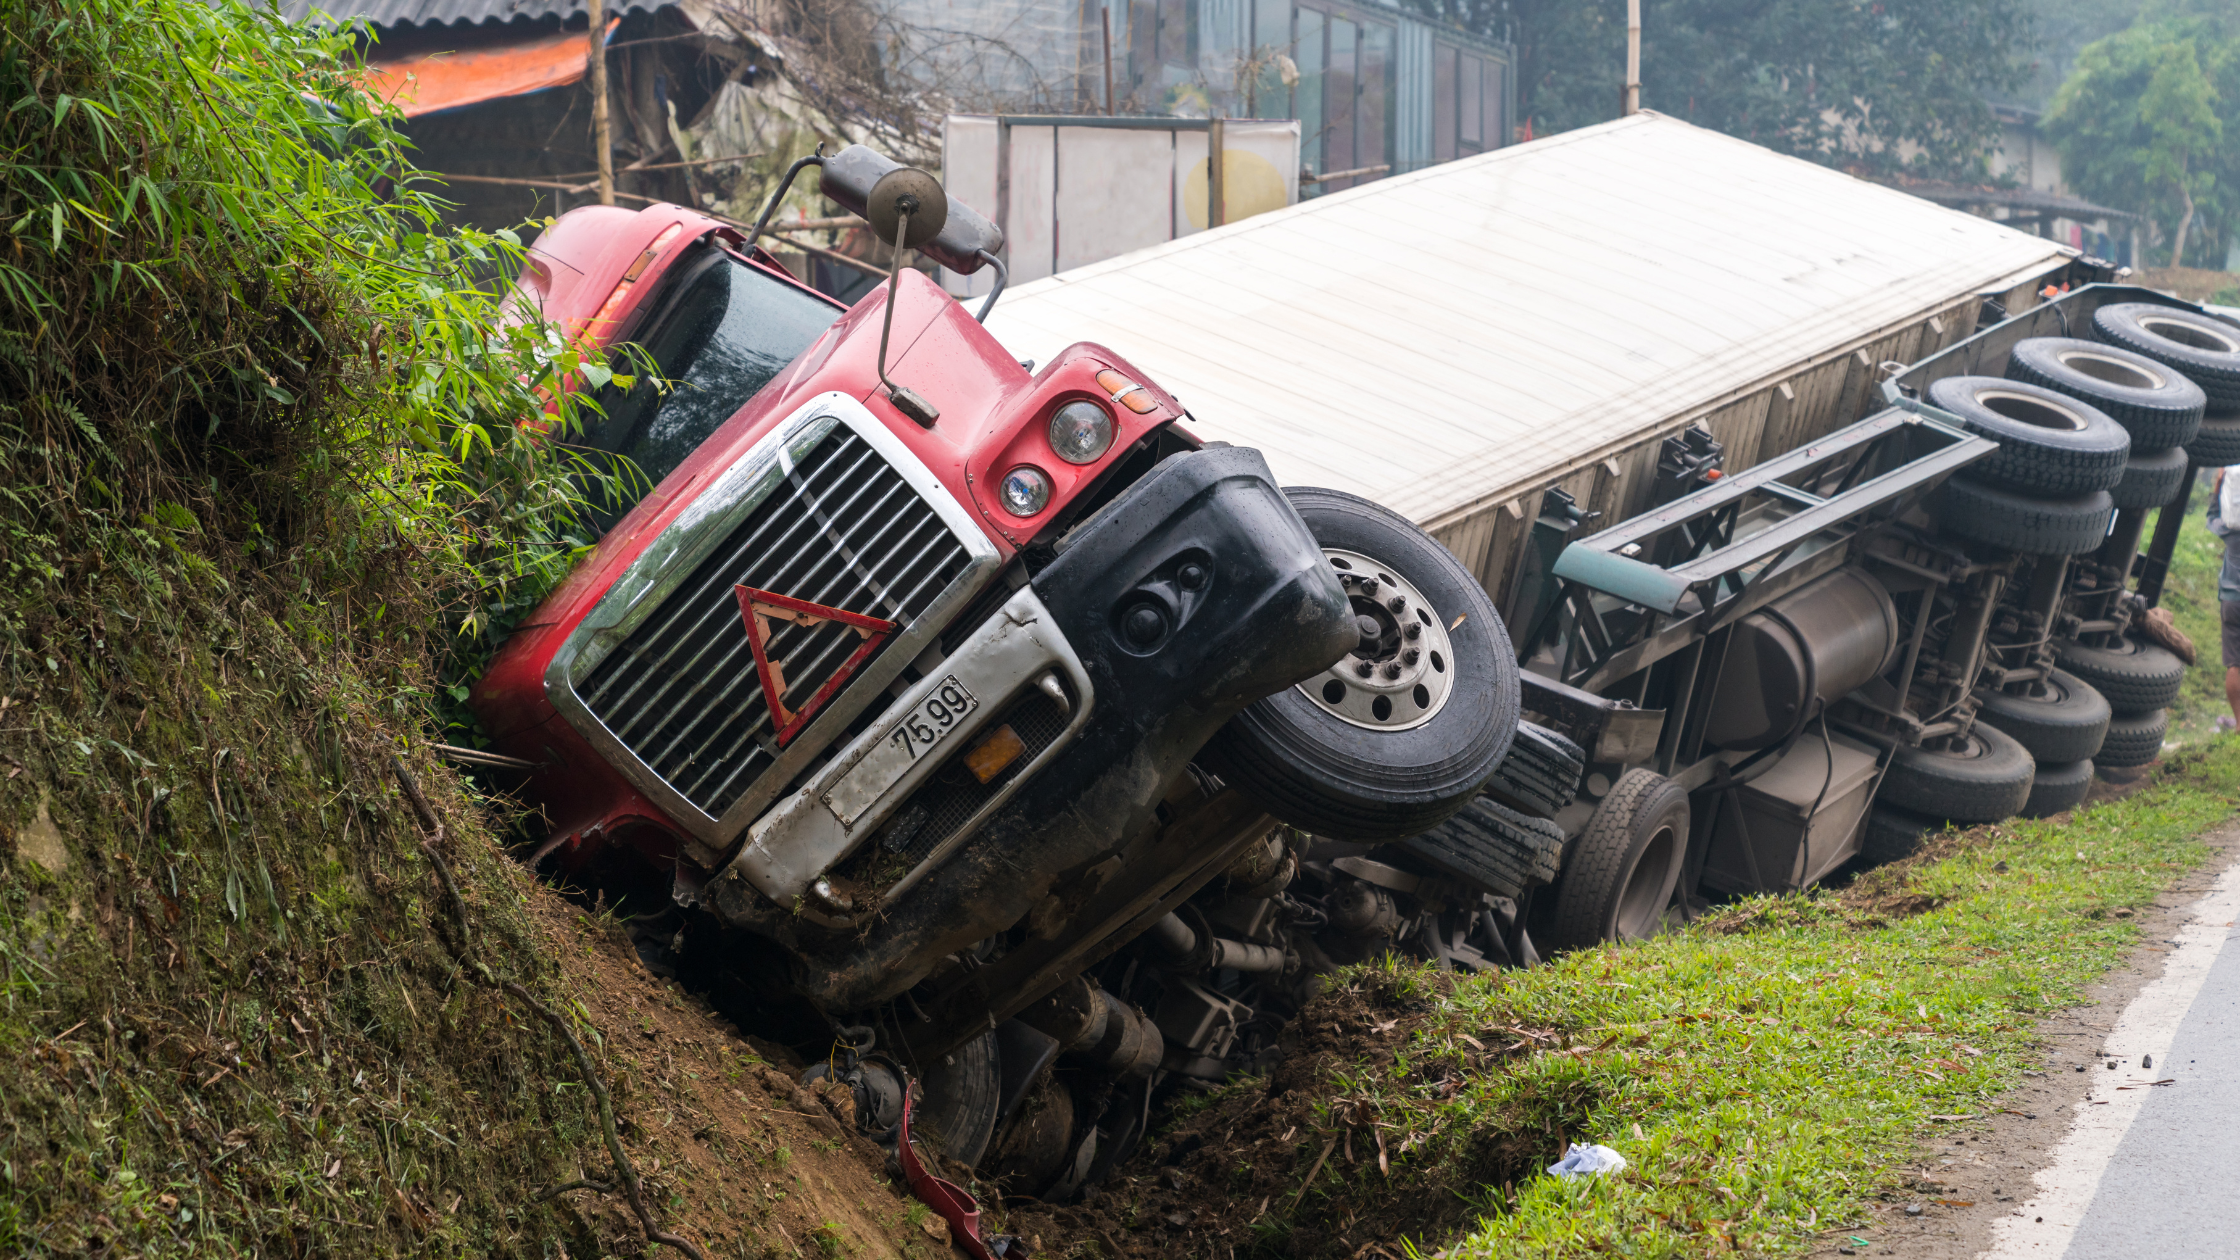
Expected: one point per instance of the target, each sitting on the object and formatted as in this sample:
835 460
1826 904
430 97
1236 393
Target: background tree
2150 122
1877 85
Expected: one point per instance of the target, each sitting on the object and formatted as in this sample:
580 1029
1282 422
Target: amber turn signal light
1126 392
988 757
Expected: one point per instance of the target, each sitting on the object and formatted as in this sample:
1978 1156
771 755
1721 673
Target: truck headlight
1081 432
1026 490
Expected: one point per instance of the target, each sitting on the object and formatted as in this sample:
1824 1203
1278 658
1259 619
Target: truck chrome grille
843 530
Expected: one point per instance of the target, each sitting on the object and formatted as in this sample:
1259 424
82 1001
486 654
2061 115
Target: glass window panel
1143 44
1373 118
1178 32
1442 105
1497 104
1306 101
728 331
1271 34
1473 104
1342 85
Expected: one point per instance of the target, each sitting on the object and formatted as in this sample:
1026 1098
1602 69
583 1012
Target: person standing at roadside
2224 522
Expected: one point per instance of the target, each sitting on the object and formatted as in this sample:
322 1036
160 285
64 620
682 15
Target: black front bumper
1196 592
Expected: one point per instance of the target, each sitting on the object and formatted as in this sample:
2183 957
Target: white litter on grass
1581 1161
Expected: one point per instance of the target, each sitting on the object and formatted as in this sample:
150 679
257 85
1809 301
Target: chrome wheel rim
1401 671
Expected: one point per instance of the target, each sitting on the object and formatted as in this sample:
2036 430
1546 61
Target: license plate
927 725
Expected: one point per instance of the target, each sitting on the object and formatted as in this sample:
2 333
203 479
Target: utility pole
1629 94
602 139
1217 198
1108 60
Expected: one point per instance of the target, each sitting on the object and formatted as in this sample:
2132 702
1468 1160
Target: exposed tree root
479 973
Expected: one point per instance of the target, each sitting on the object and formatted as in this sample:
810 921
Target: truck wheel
1401 733
1541 773
2014 521
962 1091
1893 833
1620 877
2134 739
2160 407
2059 719
2049 444
2150 478
2218 443
2206 349
2060 786
1984 778
2135 676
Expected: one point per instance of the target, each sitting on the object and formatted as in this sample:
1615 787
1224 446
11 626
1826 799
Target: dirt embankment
746 1160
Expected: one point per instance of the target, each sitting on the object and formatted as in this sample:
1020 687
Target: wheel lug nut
1364 668
1413 630
1392 669
1398 603
1368 586
1410 657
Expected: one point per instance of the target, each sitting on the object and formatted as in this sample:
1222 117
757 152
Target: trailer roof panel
1455 336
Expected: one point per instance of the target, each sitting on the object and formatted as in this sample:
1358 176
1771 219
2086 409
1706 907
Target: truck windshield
721 334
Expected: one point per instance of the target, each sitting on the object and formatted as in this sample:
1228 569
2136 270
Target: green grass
1778 1069
1765 1072
2191 596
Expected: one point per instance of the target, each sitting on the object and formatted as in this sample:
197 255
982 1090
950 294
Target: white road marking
2042 1227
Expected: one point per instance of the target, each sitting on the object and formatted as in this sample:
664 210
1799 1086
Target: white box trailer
1455 342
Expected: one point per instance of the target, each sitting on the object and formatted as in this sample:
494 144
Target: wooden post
602 139
1630 97
1217 201
1108 61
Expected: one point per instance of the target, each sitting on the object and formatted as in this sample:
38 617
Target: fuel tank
1814 644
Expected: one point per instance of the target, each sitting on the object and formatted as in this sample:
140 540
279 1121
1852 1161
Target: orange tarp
447 80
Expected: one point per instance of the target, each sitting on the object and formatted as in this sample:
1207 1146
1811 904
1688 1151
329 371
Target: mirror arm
906 400
784 186
1002 274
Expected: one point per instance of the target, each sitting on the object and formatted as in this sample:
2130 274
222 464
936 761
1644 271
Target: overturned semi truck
993 726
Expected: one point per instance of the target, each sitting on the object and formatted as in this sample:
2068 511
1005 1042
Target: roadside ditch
1783 1076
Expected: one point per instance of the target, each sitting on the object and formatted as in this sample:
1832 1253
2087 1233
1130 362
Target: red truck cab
747 346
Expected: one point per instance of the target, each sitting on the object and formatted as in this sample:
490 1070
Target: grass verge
1764 1070
2191 596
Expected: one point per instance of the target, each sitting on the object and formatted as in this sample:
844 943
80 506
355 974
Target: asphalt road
2172 1187
2150 1165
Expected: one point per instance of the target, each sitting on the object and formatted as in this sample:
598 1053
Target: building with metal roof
1378 87
1456 341
410 13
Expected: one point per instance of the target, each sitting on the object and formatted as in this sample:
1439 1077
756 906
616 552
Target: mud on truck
969 722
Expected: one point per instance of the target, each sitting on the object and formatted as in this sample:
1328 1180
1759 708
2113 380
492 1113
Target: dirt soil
1979 1167
742 1159
1255 1170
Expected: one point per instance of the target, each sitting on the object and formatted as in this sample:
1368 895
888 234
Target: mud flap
951 1203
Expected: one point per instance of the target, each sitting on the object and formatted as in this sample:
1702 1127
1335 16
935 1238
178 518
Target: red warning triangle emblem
760 608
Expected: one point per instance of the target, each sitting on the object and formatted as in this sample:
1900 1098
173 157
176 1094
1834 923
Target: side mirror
906 190
855 175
